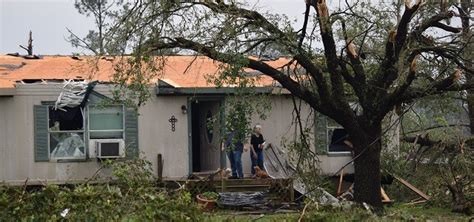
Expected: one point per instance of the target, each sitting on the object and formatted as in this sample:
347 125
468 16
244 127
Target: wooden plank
413 188
384 195
223 185
339 186
160 167
416 202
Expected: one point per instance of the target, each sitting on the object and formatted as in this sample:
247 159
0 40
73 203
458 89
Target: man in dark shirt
256 154
234 148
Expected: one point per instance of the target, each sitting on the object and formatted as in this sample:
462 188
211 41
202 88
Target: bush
210 195
132 197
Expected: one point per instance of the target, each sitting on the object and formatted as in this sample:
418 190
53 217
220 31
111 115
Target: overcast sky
48 20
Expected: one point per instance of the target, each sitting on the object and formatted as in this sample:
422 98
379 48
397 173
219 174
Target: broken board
413 188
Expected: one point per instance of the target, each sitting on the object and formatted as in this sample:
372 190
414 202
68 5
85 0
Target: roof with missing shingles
178 71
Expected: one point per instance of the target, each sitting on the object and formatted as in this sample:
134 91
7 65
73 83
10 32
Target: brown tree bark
464 12
460 202
367 147
461 205
378 91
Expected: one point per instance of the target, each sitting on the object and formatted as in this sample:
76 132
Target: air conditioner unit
108 148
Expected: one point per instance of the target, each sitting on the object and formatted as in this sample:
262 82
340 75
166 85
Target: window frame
114 130
83 131
333 127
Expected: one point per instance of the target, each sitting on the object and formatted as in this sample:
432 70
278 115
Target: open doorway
206 152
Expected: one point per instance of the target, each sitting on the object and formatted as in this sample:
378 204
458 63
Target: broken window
66 133
338 138
106 122
339 141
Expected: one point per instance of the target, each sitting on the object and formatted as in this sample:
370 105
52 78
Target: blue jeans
257 162
235 159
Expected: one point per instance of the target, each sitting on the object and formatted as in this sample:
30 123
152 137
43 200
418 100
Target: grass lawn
394 213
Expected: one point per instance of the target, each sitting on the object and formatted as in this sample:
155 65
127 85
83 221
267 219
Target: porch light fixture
184 109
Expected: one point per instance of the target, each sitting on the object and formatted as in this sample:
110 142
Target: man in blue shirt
234 148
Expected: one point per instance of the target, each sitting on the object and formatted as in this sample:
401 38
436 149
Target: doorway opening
205 134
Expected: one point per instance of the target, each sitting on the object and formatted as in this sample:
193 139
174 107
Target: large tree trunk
470 105
367 167
460 205
466 35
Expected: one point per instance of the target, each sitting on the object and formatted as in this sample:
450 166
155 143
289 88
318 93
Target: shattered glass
67 145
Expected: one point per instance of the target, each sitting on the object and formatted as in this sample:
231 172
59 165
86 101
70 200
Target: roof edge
173 91
7 91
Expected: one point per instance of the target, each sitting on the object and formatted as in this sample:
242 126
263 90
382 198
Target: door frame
221 101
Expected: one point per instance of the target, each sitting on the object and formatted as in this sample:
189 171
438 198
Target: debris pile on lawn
278 166
242 199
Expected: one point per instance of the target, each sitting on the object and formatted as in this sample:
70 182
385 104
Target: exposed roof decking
179 71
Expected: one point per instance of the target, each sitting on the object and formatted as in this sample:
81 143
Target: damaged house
46 135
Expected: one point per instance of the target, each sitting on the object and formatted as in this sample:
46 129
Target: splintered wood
413 188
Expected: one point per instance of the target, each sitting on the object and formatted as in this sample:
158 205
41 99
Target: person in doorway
234 148
256 149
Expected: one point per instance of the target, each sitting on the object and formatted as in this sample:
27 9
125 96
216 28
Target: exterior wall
17 138
278 127
155 136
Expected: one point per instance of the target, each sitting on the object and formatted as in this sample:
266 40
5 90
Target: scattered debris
278 166
348 194
339 186
12 66
16 54
303 212
413 188
74 94
367 207
31 57
385 198
65 212
326 198
240 200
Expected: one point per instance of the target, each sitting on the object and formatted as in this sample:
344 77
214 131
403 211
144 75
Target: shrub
210 195
132 196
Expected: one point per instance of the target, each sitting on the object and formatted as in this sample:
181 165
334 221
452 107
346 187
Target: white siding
155 136
16 137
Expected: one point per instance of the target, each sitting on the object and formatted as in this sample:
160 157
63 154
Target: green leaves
133 196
